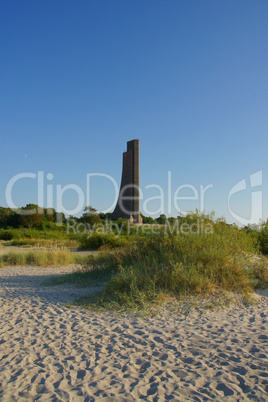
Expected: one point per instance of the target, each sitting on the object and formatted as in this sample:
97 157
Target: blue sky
188 78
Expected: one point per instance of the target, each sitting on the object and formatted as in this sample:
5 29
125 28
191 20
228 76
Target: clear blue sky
188 78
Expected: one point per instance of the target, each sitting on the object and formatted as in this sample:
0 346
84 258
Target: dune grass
84 276
26 233
43 258
45 243
143 271
149 272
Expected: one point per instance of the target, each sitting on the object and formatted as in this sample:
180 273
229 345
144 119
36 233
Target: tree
90 216
147 219
5 217
105 216
161 219
31 215
171 220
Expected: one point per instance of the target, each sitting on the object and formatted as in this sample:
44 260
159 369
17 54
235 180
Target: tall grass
25 233
165 265
140 270
43 258
47 243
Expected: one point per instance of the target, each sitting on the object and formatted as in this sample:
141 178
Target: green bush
9 234
97 240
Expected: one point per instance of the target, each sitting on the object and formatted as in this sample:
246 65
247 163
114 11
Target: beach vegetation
150 270
146 265
263 238
43 258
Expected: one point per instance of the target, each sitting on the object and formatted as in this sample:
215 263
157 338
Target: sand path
49 352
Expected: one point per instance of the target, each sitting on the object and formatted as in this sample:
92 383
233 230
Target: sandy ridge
50 352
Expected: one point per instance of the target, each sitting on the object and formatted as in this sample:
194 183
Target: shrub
96 240
9 234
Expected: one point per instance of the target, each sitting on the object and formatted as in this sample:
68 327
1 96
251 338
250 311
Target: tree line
30 216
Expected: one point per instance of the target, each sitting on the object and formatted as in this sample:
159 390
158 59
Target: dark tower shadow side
128 204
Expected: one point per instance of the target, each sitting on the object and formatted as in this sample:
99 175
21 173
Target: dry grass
45 243
148 273
43 258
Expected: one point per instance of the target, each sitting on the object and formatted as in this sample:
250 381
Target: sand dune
51 352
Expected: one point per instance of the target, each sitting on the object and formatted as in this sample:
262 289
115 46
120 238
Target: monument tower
128 204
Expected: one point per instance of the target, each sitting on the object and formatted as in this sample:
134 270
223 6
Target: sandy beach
50 352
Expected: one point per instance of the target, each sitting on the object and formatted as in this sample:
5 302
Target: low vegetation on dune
98 240
45 243
16 234
43 258
141 266
147 271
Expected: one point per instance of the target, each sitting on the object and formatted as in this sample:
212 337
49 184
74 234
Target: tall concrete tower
128 204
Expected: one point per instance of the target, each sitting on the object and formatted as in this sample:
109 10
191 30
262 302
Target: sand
50 352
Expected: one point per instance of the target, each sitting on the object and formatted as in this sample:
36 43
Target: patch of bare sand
52 353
